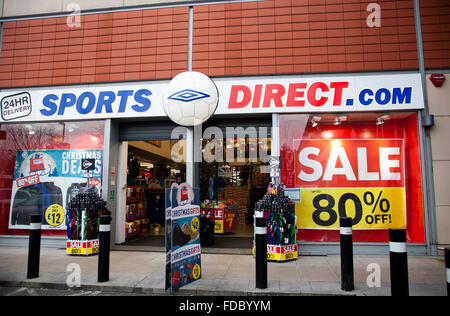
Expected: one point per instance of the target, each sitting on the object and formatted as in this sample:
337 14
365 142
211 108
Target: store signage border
239 95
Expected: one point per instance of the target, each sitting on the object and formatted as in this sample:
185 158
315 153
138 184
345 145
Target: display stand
224 217
137 222
83 220
281 231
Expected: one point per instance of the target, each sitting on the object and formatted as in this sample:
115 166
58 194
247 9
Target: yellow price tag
218 226
195 224
54 215
196 271
370 208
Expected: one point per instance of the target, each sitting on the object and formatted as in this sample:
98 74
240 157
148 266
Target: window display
364 166
41 171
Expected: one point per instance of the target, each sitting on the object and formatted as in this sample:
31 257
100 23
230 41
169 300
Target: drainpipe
427 122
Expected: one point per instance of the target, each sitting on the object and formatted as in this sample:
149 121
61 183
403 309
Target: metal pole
34 246
261 250
103 252
347 273
398 259
447 269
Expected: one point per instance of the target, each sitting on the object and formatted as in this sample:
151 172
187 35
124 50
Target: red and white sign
349 163
29 180
290 94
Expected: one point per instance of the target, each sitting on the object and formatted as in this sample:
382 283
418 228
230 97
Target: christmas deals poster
46 180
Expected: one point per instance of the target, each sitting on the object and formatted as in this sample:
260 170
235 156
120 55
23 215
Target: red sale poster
369 172
359 178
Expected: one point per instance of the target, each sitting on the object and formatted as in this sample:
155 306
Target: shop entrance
150 170
146 168
234 175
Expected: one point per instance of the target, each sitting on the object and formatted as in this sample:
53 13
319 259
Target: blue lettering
47 102
90 105
124 94
105 98
139 97
67 99
379 96
401 97
362 97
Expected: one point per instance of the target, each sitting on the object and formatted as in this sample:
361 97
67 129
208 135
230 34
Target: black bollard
347 274
103 252
261 250
34 246
447 268
398 259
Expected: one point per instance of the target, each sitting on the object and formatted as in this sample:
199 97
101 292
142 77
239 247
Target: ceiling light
315 120
382 118
339 119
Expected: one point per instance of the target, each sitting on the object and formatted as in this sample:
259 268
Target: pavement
143 273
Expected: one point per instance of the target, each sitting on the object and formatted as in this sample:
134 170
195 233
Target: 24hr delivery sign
359 178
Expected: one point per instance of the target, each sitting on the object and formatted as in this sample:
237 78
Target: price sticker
218 226
195 224
54 215
196 271
369 208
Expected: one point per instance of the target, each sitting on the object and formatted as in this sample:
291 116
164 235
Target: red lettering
234 103
294 93
312 94
338 87
274 92
257 96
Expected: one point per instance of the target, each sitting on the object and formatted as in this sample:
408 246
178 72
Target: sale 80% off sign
361 179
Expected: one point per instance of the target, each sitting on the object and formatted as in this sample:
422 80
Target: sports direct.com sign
281 94
323 94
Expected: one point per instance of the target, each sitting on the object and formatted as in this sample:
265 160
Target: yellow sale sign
359 178
370 208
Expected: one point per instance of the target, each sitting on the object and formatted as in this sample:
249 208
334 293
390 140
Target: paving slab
143 273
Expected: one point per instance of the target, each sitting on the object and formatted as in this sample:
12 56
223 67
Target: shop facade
346 111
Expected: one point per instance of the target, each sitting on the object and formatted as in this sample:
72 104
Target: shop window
41 166
364 166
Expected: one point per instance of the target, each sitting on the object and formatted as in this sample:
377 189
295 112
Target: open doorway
150 168
234 175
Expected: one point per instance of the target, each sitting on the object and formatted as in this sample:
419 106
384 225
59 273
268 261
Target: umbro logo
188 95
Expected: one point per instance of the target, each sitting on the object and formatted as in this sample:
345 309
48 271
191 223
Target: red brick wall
435 18
292 36
249 38
134 45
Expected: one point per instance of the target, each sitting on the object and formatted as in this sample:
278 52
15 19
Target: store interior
229 187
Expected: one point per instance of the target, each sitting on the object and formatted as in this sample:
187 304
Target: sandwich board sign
183 250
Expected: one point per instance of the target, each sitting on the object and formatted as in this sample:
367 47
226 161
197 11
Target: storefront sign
46 180
360 178
281 94
84 102
321 94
